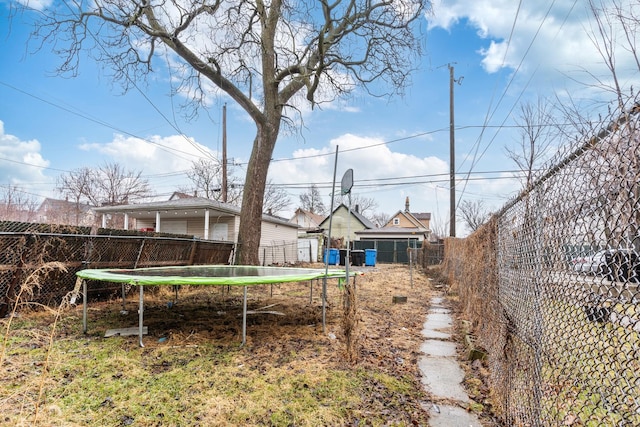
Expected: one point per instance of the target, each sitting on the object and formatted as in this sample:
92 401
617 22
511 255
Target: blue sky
502 52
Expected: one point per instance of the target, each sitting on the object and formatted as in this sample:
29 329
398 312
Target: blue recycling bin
333 256
370 256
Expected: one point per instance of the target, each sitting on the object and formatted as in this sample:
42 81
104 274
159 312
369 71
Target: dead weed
319 378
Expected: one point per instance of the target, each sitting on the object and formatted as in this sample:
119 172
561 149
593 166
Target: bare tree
439 229
615 27
275 199
267 56
311 201
380 218
365 205
115 185
16 205
109 185
206 176
536 135
473 213
614 32
76 186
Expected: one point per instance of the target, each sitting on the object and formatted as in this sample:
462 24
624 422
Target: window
396 221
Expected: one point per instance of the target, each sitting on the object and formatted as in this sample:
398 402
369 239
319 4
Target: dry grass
193 371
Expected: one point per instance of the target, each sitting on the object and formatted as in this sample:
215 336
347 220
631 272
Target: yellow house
402 225
344 226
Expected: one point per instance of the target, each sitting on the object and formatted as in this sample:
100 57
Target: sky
502 52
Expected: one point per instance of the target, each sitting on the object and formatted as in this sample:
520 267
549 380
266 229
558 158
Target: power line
168 149
31 165
511 80
383 182
135 85
175 150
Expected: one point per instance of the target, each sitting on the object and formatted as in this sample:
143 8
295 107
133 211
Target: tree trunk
252 200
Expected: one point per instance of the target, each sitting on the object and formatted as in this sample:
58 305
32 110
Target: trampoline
202 275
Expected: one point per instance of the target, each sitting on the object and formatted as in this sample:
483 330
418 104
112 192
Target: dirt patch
286 323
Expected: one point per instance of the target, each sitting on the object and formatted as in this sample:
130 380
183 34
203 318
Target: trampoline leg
324 303
244 317
141 315
84 306
175 300
123 299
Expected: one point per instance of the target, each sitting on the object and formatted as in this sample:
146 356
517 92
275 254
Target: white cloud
20 161
164 161
554 39
36 4
494 57
154 154
370 166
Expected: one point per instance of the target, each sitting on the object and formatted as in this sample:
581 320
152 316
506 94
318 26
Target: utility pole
452 161
224 154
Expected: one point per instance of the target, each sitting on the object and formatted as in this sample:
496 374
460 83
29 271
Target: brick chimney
406 205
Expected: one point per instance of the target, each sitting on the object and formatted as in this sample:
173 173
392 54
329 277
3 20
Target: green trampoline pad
213 275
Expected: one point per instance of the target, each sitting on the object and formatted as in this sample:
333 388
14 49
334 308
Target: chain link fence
279 253
550 285
26 249
429 254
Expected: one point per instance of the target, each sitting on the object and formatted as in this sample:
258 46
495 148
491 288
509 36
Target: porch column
206 224
126 221
157 221
104 220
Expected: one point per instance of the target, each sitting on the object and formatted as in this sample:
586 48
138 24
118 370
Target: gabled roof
414 218
313 217
363 220
422 216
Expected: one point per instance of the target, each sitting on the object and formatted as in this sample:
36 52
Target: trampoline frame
120 276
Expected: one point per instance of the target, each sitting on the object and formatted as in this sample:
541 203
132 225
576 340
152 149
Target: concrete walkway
441 373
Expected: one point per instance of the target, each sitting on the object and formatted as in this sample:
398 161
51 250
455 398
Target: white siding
219 231
308 250
342 226
196 227
174 226
278 244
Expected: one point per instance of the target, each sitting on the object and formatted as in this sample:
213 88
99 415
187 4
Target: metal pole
346 261
452 161
224 154
244 317
84 306
326 262
140 314
410 262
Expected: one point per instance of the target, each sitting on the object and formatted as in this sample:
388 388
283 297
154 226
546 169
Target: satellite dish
347 181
